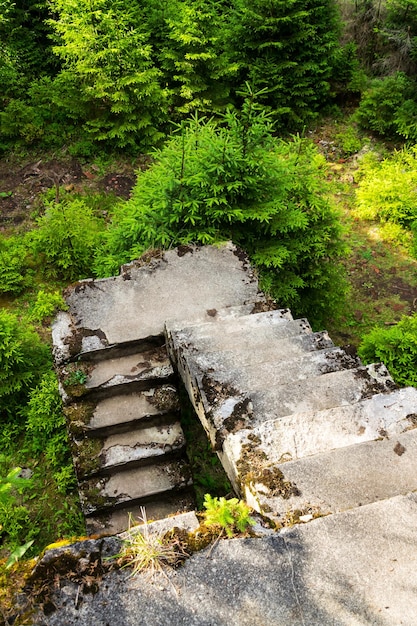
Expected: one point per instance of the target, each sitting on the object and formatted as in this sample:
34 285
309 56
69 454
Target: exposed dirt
21 183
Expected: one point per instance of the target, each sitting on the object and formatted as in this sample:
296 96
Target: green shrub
386 193
47 433
389 107
66 238
395 346
14 518
46 305
13 266
213 182
23 359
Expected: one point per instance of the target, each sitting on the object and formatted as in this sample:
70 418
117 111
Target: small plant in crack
230 516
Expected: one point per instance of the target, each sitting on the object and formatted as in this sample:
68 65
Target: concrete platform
349 569
135 305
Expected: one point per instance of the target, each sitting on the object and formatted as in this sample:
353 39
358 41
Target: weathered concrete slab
129 449
226 367
344 478
136 304
350 569
118 520
123 412
133 485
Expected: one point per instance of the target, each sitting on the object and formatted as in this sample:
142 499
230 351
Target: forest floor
382 275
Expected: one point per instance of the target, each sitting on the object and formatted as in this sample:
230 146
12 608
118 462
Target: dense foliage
386 194
117 72
235 181
396 347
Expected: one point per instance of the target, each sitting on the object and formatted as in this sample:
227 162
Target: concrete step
134 486
279 351
224 409
265 373
340 479
141 446
124 374
118 414
293 437
136 304
249 333
117 521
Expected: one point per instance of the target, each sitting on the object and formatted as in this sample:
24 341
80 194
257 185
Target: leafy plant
285 48
47 303
386 193
395 346
14 517
231 516
109 73
66 238
23 359
18 553
389 107
13 265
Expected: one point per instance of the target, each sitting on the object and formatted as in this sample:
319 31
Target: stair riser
147 421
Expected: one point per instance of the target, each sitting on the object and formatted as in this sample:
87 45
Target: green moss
87 456
78 417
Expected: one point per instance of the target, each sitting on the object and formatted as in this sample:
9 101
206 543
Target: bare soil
22 183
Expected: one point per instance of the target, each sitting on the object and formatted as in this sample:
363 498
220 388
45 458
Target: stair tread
239 335
299 435
135 447
124 409
129 367
133 485
341 479
259 372
223 408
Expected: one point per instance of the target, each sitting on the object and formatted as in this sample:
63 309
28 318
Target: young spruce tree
234 180
285 47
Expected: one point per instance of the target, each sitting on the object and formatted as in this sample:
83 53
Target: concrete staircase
302 428
127 441
119 387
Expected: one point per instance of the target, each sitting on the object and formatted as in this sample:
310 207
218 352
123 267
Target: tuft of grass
145 550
